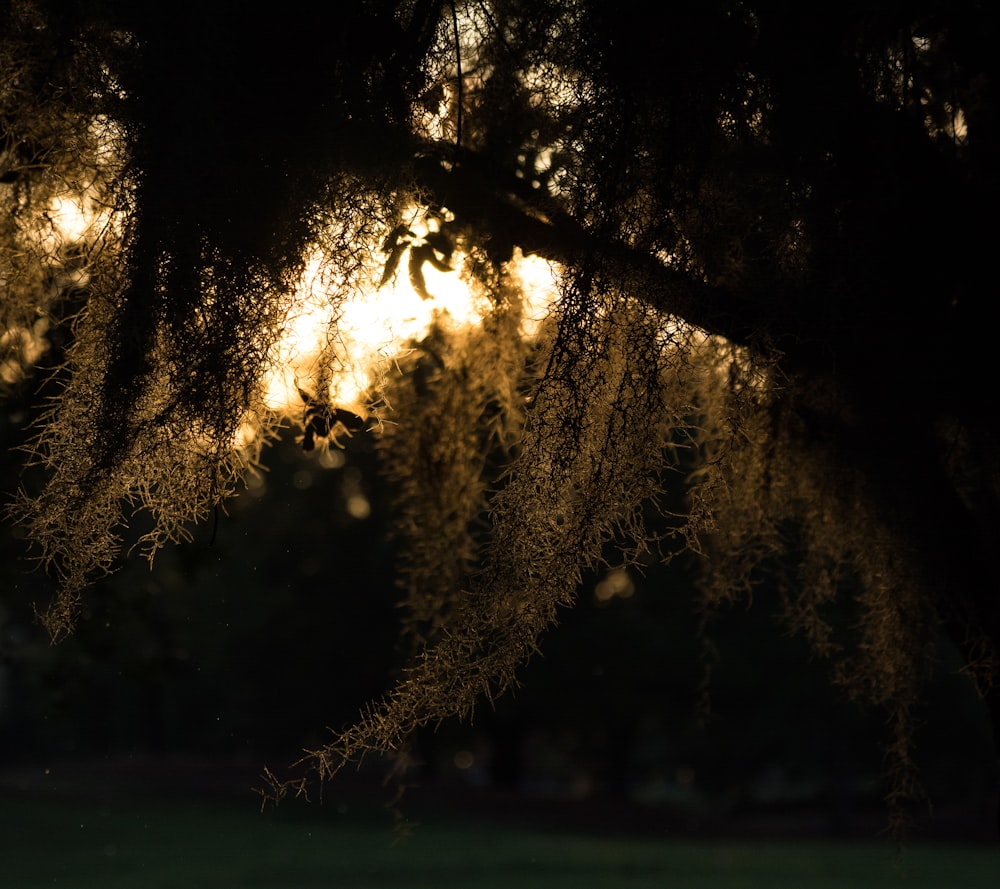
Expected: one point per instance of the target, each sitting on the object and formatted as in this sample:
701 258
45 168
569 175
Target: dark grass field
199 826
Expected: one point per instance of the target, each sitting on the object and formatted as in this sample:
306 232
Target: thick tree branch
497 204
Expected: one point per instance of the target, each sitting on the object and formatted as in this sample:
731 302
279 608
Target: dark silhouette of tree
769 225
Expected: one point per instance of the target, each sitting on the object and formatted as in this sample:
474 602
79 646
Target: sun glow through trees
329 347
346 348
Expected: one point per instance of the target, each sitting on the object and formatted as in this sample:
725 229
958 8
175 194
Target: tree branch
512 215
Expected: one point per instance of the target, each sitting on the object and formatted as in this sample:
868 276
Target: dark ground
143 779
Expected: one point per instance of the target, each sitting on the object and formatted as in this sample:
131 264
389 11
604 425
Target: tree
767 231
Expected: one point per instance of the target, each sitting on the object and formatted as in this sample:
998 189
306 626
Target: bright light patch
25 345
616 583
358 507
347 347
539 286
71 217
353 343
74 219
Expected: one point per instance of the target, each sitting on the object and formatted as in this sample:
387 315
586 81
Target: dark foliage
769 231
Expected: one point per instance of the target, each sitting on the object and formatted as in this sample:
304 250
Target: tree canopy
768 340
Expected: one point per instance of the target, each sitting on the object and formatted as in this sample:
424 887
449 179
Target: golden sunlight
58 239
330 350
343 351
75 218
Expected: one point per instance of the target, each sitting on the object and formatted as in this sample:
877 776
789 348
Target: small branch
458 62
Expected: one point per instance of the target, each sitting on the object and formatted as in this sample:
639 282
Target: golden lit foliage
741 225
